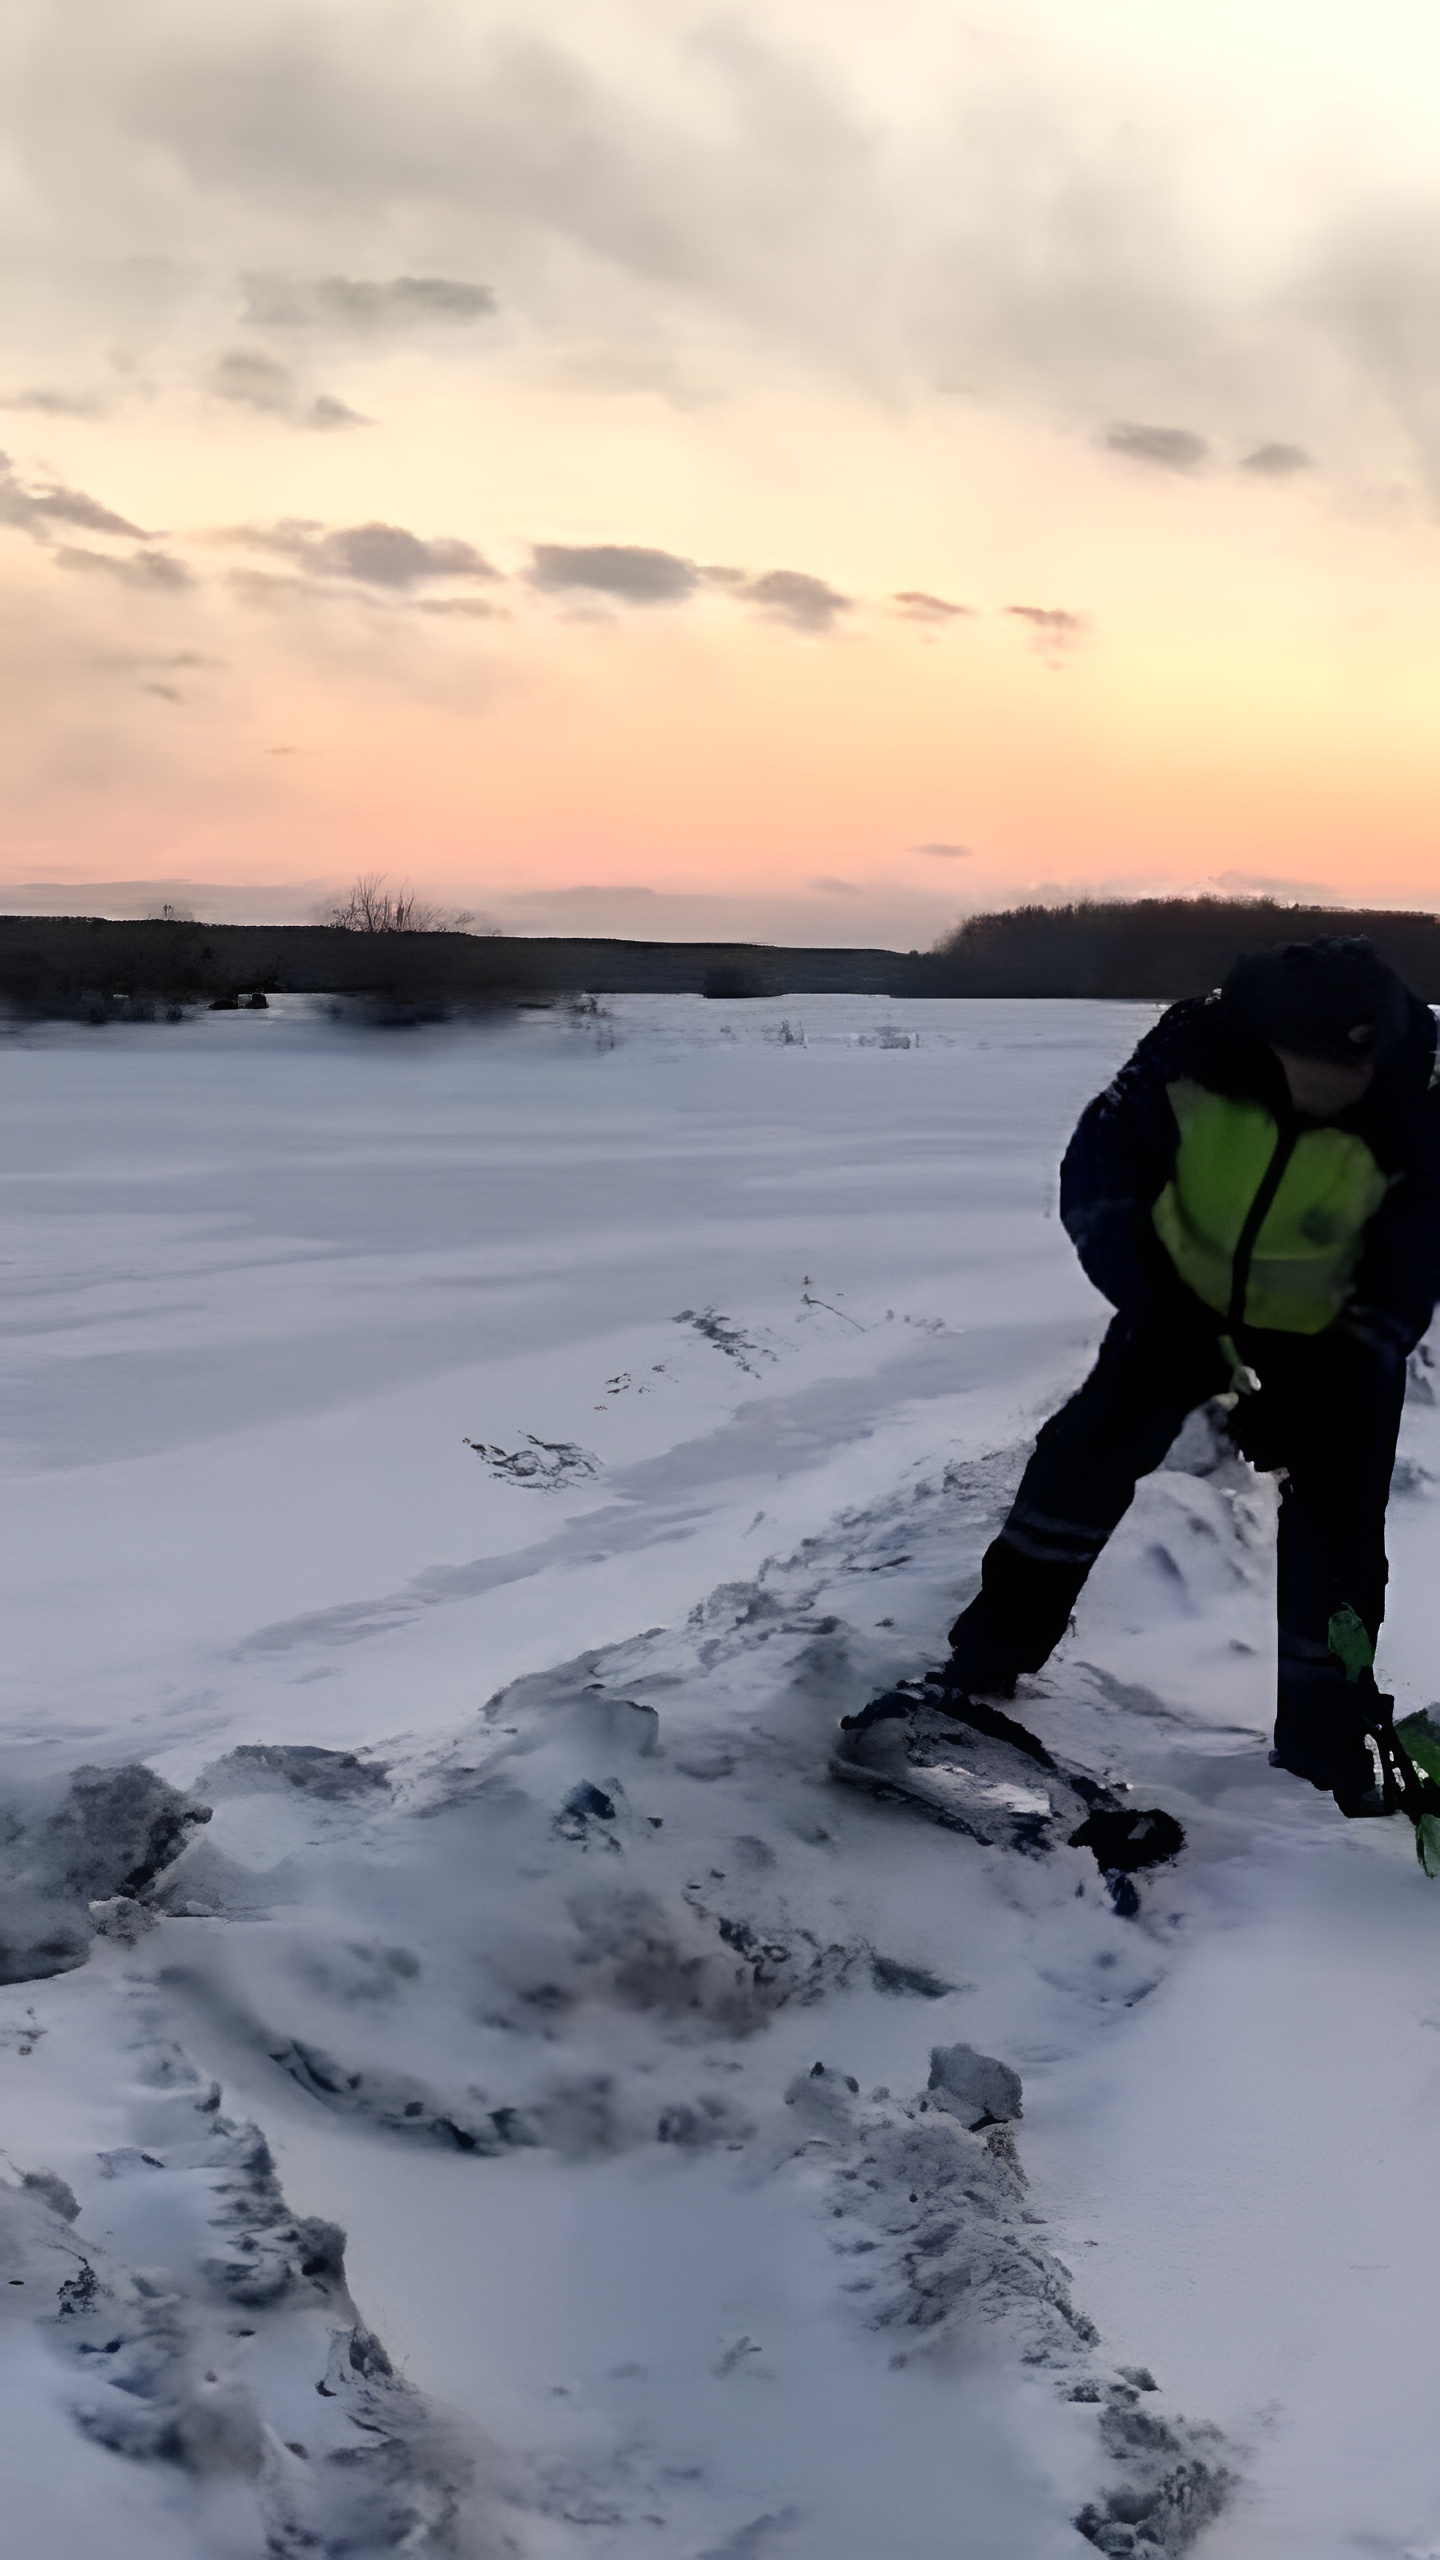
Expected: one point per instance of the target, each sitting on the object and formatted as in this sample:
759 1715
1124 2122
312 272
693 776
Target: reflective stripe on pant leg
1117 1427
1080 1481
1051 1541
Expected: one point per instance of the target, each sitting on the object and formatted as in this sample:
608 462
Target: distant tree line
1160 947
389 948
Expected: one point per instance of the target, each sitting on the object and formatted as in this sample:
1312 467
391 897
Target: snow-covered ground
481 1465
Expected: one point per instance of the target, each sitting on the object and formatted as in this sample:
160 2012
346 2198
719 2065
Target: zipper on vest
1255 1217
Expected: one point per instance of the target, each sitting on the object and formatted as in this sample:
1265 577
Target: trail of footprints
588 1863
229 2350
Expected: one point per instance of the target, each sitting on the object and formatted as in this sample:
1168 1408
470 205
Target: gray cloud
44 402
917 606
1165 448
35 509
157 571
1030 216
326 412
552 152
625 569
789 595
154 671
262 587
1051 619
1053 630
187 658
635 574
254 381
71 506
830 887
250 380
385 556
352 306
1277 461
944 852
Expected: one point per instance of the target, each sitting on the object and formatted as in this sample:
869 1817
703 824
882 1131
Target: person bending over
1258 1196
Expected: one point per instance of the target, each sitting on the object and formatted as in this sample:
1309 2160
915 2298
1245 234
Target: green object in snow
1419 1738
1350 1642
1427 1843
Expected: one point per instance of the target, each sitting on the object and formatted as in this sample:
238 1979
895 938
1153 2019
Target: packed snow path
481 1466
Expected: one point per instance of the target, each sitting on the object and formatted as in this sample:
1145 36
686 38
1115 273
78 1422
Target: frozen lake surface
481 1465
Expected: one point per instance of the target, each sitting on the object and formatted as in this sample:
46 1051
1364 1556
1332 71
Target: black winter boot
1320 1728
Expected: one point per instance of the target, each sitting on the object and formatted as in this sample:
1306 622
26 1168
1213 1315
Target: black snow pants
1327 1413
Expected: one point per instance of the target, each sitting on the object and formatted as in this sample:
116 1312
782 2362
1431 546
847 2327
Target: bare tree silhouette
369 907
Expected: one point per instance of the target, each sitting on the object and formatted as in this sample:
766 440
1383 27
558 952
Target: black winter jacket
1123 1153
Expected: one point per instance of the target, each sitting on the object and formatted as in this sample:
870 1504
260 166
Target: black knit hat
1334 998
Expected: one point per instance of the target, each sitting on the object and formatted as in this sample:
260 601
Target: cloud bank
356 306
384 556
634 574
763 404
247 379
35 508
1043 211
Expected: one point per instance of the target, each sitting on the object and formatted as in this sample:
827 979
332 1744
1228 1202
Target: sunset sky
803 470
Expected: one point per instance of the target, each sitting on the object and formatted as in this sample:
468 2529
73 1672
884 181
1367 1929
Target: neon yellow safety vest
1266 1227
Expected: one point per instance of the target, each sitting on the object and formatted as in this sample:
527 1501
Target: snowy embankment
480 1467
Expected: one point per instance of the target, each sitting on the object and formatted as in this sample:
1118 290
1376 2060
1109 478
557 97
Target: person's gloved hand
1261 1426
1298 1404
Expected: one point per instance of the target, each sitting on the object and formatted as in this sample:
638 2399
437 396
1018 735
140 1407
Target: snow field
529 1996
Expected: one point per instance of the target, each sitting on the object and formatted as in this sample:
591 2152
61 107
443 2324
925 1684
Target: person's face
1321 1088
